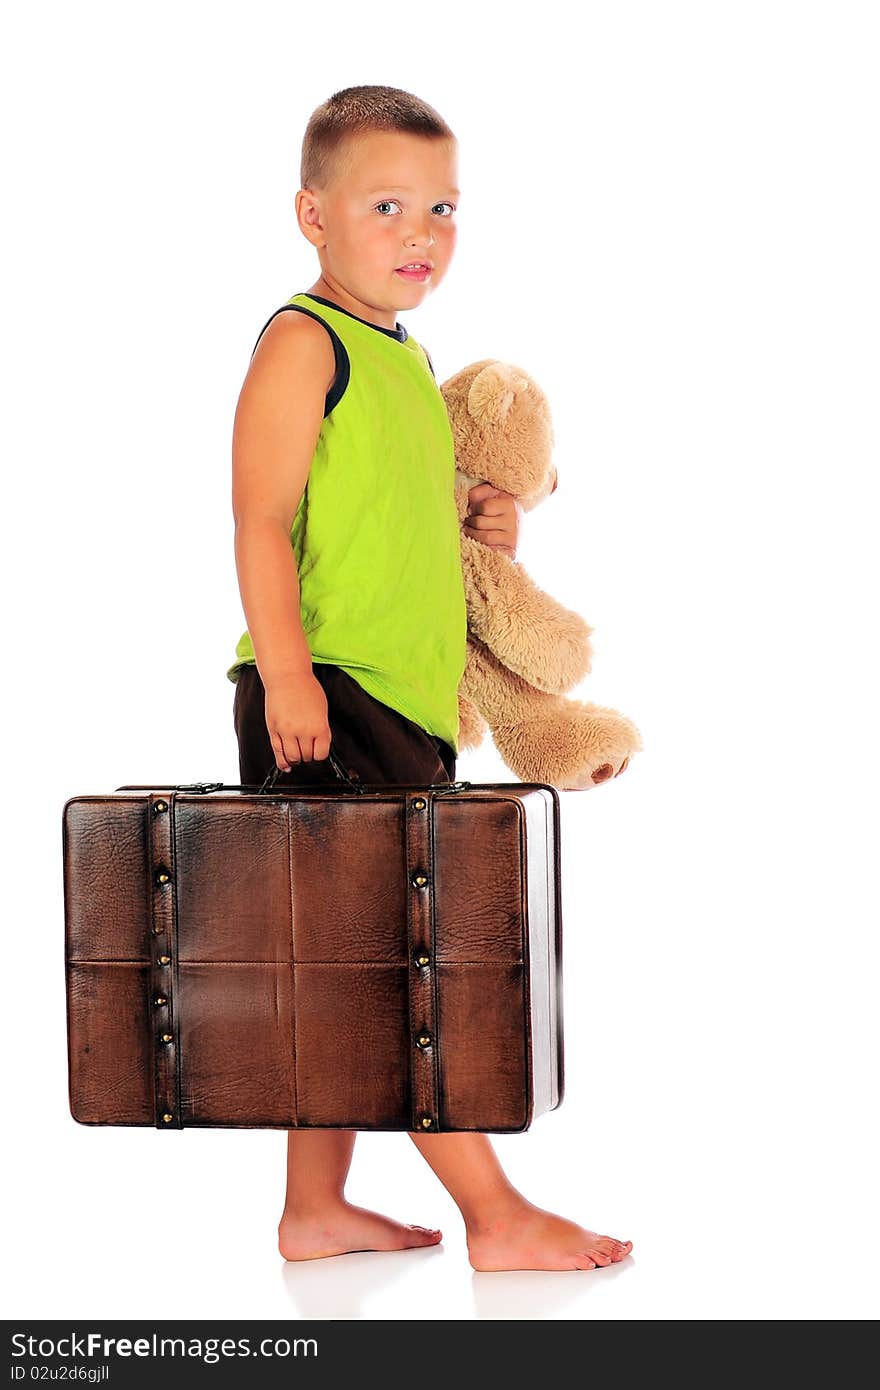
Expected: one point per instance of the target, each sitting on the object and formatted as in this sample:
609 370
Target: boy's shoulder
295 341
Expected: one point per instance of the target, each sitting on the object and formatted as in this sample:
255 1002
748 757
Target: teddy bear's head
503 433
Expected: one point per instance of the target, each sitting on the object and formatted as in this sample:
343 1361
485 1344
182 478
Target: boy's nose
420 237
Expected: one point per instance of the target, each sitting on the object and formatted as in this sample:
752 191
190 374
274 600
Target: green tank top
376 534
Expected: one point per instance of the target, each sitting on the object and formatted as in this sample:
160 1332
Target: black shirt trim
343 365
399 332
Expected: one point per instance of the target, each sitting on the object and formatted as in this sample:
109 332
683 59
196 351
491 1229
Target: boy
352 586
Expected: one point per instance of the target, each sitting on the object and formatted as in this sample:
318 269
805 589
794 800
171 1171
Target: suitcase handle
274 772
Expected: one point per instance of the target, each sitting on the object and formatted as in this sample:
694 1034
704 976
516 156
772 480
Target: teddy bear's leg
547 738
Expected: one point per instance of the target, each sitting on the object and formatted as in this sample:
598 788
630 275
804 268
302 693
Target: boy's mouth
417 270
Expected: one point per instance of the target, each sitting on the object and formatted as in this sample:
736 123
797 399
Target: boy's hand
296 718
493 518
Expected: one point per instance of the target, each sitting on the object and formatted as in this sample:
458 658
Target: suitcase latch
444 787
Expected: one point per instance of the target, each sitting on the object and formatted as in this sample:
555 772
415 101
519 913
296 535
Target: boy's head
379 174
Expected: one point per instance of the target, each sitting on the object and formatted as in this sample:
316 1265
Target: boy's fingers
486 509
302 750
483 521
281 759
485 492
481 490
484 529
495 540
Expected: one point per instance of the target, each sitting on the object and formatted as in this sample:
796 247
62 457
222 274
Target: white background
670 219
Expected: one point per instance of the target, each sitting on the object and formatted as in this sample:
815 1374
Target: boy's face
392 202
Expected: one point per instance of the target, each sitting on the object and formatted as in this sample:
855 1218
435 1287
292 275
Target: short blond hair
353 111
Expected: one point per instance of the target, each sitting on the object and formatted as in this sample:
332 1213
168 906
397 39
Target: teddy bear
524 650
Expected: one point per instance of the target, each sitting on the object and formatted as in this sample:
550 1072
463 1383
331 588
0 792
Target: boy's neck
382 318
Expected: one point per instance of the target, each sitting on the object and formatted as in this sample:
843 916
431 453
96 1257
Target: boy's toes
605 1250
584 1262
430 1234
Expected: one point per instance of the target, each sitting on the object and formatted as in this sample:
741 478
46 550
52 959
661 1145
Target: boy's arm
277 422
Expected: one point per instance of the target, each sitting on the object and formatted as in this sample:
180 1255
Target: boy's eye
392 202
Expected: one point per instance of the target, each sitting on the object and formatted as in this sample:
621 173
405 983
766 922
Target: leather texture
316 958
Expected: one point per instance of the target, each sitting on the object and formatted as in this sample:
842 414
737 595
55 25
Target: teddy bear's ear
493 392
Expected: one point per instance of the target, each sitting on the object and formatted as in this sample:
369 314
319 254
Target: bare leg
504 1230
317 1220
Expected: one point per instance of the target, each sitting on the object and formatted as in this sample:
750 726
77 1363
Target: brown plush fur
524 649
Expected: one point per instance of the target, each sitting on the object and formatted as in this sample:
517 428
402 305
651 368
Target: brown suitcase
373 957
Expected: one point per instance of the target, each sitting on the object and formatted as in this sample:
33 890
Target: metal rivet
167 1118
163 876
164 960
424 1040
427 1122
420 880
168 1037
423 960
160 999
419 804
158 929
160 805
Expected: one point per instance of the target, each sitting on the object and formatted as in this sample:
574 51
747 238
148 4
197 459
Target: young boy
347 546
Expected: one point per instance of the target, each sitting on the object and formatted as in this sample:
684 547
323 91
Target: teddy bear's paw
606 771
607 741
585 778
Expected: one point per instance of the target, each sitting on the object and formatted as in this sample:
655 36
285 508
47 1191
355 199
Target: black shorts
374 742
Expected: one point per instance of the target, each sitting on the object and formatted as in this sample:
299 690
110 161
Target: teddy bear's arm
527 630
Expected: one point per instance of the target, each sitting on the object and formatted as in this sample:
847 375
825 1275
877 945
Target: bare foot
339 1229
527 1237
